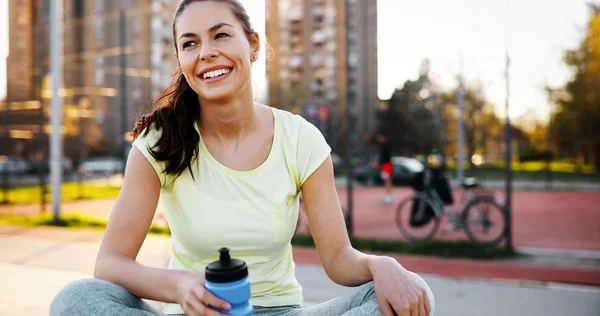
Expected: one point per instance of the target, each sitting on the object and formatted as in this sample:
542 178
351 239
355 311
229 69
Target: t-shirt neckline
203 150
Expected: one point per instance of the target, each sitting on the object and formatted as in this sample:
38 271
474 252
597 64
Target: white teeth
215 73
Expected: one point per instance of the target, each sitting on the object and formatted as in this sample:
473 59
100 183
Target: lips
217 75
214 71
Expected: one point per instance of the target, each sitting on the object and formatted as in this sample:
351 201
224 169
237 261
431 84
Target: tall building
320 55
112 68
22 57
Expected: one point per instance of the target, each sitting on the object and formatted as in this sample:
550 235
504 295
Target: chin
214 94
218 96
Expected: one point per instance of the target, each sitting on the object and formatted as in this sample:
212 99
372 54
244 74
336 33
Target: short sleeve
312 150
146 142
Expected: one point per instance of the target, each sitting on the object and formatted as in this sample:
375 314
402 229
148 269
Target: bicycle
474 213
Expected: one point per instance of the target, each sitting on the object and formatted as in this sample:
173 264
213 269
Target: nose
208 52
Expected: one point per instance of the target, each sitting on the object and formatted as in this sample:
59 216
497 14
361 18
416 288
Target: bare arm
127 228
343 264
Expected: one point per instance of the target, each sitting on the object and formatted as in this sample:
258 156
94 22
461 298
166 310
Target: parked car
404 171
102 165
35 165
12 165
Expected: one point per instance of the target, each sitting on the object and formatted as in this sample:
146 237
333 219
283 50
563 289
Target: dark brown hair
178 107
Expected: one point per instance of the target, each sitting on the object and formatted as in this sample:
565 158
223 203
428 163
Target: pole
80 144
437 113
80 100
40 155
41 146
508 171
460 130
548 153
56 15
348 117
123 66
5 145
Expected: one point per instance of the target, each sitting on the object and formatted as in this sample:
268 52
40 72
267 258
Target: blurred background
118 56
504 92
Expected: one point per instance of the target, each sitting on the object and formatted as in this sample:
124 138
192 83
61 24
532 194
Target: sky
448 32
475 32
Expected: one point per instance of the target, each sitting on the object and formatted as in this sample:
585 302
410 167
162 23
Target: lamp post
56 42
348 119
508 170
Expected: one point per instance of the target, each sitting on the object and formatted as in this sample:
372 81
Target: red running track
548 219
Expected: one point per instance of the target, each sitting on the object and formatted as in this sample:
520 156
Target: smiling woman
230 172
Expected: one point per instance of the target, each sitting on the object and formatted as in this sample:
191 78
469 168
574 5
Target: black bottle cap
226 269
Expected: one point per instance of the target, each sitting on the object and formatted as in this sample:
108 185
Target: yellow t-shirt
253 213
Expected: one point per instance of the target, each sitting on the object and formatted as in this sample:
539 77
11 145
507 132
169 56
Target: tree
414 128
534 144
482 128
576 123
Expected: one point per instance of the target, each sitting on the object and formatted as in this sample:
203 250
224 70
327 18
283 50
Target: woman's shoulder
149 135
288 120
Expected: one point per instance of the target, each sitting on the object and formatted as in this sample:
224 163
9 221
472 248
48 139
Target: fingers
426 303
414 307
421 305
197 304
385 308
198 309
208 298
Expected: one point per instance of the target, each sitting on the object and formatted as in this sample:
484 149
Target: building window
99 70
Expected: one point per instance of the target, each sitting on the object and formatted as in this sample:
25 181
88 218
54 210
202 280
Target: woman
230 172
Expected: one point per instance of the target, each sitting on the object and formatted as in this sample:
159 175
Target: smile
215 73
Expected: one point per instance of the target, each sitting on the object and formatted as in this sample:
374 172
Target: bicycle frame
440 208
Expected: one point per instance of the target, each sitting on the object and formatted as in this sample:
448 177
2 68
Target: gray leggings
96 297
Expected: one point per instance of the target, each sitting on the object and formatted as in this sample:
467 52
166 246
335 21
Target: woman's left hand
398 291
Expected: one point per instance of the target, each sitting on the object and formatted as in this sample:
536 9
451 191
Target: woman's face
213 50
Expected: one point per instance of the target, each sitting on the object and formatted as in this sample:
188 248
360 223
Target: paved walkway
37 262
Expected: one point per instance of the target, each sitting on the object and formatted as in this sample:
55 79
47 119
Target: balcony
295 62
318 37
295 15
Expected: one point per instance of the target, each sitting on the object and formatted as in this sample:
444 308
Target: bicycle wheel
484 220
404 213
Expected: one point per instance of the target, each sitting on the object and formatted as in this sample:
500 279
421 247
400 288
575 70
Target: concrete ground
37 262
465 297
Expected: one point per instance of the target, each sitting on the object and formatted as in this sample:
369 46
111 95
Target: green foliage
483 130
70 192
71 220
576 122
410 124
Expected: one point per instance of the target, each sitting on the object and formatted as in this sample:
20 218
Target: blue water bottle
228 279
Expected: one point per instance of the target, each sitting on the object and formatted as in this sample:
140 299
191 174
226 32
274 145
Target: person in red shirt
385 152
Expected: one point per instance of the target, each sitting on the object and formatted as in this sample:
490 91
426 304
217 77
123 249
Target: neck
228 120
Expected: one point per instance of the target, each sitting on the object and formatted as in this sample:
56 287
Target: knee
369 291
79 296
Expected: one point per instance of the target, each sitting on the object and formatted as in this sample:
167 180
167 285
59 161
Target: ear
254 46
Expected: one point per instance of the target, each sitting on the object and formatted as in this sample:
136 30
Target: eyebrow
212 29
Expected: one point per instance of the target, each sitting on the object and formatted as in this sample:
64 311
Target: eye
188 44
221 35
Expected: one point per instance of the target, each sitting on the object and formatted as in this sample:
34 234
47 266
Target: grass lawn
70 191
434 248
